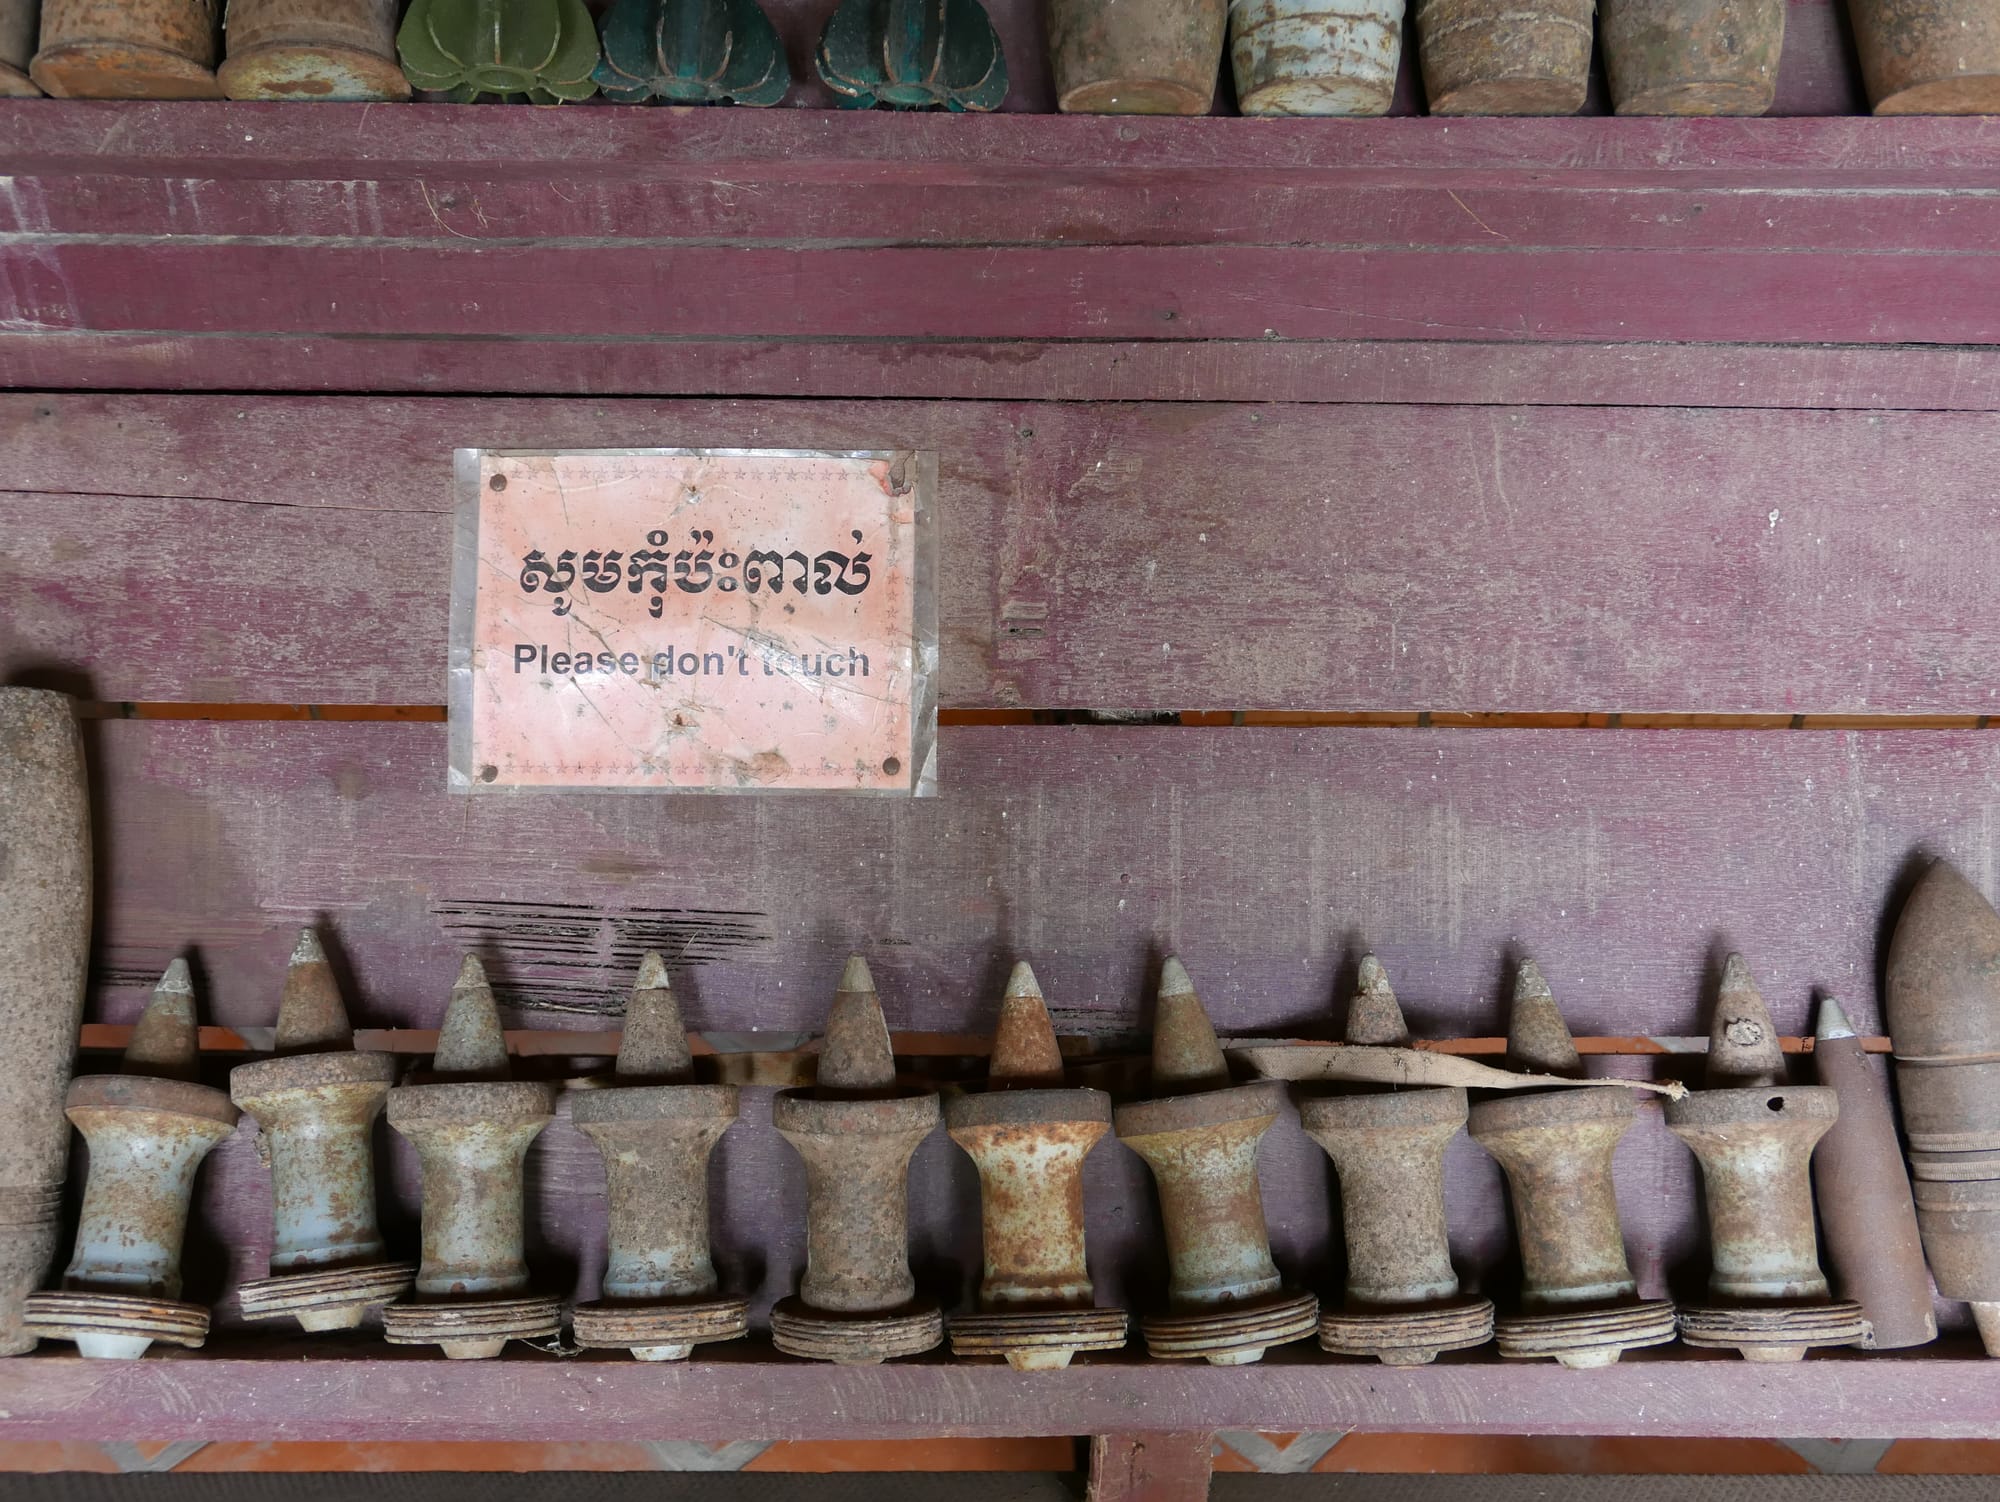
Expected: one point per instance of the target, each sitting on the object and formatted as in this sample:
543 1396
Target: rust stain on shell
312 49
128 49
1693 57
1136 57
1491 57
1929 57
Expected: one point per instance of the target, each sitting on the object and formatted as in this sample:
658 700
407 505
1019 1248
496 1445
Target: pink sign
733 620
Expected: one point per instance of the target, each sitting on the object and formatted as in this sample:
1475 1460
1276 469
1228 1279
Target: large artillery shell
1315 57
1929 57
1865 1209
1693 57
312 49
1136 57
20 20
45 900
128 49
1492 57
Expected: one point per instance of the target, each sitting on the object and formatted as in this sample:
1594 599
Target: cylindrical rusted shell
1693 57
312 50
20 22
1136 57
1754 1146
1389 1153
1315 57
45 897
1943 977
1493 57
1929 57
1865 1207
1556 1150
128 49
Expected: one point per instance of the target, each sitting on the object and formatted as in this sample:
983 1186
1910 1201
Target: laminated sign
722 620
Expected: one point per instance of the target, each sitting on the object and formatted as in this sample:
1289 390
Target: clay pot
1136 57
1693 57
1488 57
1315 57
128 49
312 49
1929 57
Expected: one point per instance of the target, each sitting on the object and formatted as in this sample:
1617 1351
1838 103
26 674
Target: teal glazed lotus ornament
913 54
545 49
692 52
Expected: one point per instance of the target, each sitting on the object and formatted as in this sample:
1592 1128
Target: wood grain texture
1625 863
1150 1467
1166 556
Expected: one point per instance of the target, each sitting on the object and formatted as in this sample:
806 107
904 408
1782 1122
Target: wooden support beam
1151 1467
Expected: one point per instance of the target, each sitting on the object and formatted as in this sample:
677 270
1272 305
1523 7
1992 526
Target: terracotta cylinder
1315 57
1136 57
312 49
20 20
1693 57
128 49
1489 57
1929 57
45 895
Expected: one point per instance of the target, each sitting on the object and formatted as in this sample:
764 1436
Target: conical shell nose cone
312 1017
1025 1054
1537 1036
1831 1021
1186 1057
855 1056
1742 1041
1374 1016
655 1045
471 1045
164 1043
1943 997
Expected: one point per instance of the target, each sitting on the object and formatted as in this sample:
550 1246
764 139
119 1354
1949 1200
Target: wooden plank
1151 1467
1266 857
1367 559
229 1394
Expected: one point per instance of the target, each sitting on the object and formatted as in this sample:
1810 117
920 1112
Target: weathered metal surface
1315 57
1692 57
1403 1305
148 1129
913 54
1579 1301
1942 1004
471 1124
1199 1135
1490 57
1754 1137
656 1128
1929 57
311 50
1866 1215
20 24
1029 1136
466 49
1136 57
855 1130
315 1105
692 52
44 953
127 49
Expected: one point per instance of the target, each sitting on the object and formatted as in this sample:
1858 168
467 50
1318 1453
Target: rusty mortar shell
1692 57
1199 1135
1754 1135
20 22
148 1128
1029 1135
856 1130
1495 57
1929 57
656 1128
127 49
45 894
1403 1303
315 1105
312 50
1136 57
471 1122
1579 1302
1943 1005
1865 1209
